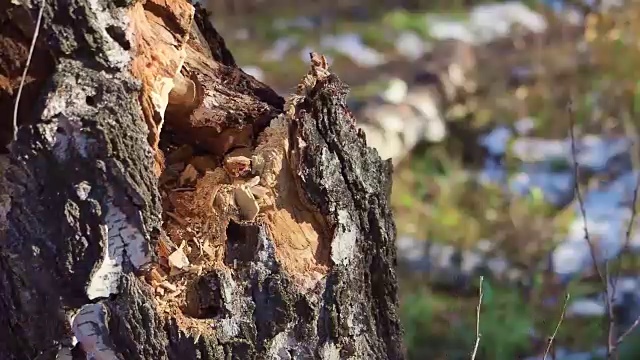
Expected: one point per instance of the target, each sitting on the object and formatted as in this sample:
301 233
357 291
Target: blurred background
493 113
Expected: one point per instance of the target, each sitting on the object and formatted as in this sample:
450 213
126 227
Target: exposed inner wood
268 192
184 93
161 31
233 107
243 178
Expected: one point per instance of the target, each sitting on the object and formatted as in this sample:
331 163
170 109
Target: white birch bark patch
123 239
90 328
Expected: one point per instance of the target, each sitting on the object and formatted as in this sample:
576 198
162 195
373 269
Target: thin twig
475 347
26 69
555 332
626 333
592 248
610 294
631 132
583 211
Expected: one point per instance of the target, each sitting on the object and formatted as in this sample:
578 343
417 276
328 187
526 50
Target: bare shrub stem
475 347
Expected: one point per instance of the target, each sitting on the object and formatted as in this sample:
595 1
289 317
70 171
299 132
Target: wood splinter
184 93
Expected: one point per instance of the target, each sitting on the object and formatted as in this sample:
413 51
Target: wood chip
178 259
259 191
175 271
165 246
189 175
196 269
253 181
173 294
204 163
208 249
246 202
177 218
154 275
257 164
237 166
168 286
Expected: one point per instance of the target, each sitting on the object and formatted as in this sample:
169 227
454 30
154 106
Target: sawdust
266 194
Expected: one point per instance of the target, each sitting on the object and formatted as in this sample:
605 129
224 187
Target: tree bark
279 246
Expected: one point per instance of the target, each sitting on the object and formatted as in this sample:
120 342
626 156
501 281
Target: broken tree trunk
166 205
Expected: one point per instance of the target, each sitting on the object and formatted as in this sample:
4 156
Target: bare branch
475 347
555 332
26 69
592 248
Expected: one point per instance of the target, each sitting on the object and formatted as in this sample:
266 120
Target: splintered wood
248 185
161 31
318 72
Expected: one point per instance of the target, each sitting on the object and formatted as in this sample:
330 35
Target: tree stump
269 237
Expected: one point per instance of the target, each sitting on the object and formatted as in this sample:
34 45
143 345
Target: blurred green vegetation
434 198
458 212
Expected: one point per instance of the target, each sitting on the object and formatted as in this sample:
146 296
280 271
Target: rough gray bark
86 218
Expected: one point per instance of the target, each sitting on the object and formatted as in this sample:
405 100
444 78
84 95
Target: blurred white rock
573 256
280 48
254 71
486 22
351 45
495 20
525 125
389 145
431 125
442 28
395 92
410 45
